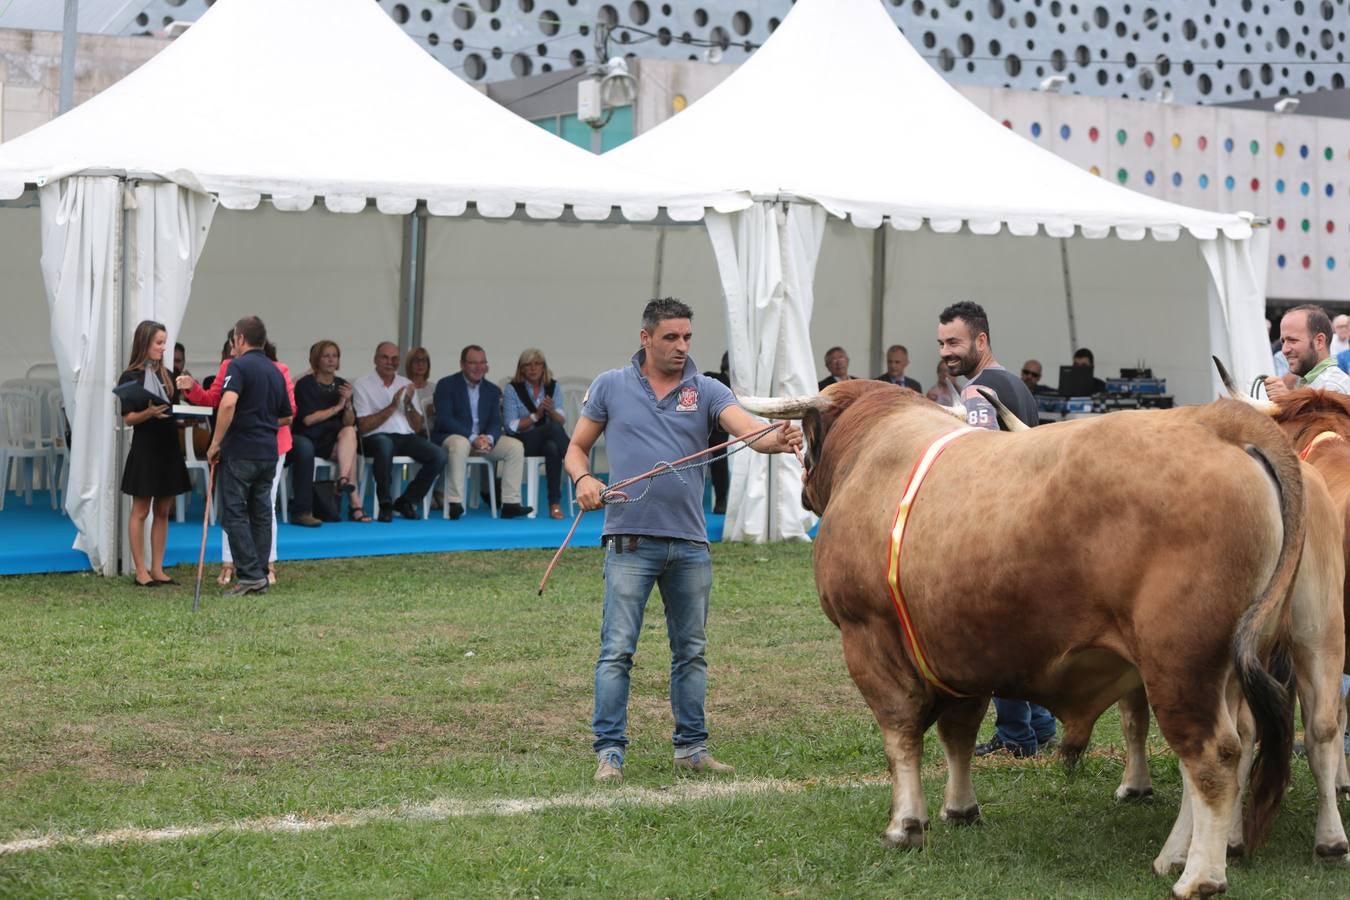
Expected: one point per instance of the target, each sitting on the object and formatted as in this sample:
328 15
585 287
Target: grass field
402 700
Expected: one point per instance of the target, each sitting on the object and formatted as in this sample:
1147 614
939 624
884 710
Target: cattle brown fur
1066 565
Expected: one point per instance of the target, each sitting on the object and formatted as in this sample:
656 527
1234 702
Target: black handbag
327 504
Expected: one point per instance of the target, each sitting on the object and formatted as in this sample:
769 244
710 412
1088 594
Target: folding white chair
478 466
402 473
288 488
57 441
21 442
201 468
535 472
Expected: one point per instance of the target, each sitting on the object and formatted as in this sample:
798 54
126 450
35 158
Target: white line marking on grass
438 810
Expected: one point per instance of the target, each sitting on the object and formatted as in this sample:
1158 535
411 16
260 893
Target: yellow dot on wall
1095 171
1279 148
1176 142
678 102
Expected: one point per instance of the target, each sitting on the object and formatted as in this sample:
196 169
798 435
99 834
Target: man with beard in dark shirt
1021 728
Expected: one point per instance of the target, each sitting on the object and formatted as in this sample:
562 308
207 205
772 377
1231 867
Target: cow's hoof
969 816
1166 866
1200 889
1332 853
1130 794
908 836
1237 851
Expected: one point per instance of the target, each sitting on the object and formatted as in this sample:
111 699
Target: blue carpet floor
36 539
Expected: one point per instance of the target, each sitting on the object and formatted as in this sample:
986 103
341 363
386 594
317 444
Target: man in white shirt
1340 341
389 417
1305 342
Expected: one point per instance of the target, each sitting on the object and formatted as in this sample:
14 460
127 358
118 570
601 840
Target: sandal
344 486
357 514
226 574
555 511
271 574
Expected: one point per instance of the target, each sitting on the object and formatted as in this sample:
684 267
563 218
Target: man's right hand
1277 389
588 492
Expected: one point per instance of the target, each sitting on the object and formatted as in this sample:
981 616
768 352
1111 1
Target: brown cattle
1065 565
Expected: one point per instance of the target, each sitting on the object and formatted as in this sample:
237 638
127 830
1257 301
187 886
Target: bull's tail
1261 654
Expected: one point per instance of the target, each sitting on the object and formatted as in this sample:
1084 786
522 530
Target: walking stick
206 517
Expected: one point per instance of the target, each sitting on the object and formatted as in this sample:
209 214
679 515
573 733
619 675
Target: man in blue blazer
469 423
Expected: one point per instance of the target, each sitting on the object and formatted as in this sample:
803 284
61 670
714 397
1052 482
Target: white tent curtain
1237 304
766 258
170 228
80 249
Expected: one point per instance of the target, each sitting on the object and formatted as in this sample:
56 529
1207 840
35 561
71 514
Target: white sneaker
610 770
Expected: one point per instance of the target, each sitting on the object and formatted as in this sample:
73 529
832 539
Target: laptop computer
1076 381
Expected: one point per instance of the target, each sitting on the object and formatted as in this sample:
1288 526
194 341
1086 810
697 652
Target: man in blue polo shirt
658 408
253 403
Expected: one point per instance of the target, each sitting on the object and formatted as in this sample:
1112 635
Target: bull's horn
956 410
1265 406
784 407
1007 417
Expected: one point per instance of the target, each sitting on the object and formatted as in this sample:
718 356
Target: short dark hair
969 312
178 345
252 330
1085 353
464 354
1318 320
835 350
658 310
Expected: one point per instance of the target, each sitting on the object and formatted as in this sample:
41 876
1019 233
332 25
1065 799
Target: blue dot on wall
1304 188
1064 132
1279 185
1176 179
1331 262
1279 260
1148 177
1035 129
1204 182
1229 182
1330 191
1227 145
1303 151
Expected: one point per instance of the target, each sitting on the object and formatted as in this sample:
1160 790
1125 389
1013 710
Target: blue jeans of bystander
683 572
246 513
1022 723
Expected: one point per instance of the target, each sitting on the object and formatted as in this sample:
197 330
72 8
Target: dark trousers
721 473
382 448
301 461
549 440
246 513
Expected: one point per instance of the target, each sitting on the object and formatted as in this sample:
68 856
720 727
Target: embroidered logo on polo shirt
688 399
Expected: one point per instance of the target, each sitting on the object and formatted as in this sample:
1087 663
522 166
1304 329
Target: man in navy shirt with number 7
657 408
1020 728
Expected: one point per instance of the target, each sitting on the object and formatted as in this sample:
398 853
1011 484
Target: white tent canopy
289 100
837 109
303 98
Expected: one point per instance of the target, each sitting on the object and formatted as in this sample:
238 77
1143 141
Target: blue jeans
1022 723
246 513
683 571
382 448
301 461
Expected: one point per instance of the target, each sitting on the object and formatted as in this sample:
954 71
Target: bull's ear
813 435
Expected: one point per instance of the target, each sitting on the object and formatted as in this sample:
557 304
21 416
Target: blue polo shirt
641 431
260 403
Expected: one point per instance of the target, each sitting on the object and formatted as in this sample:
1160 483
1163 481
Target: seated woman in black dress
155 472
325 426
533 411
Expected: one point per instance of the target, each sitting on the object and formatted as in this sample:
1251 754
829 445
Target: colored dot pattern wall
1292 169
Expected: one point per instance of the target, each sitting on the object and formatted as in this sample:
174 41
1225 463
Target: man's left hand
787 439
213 453
482 443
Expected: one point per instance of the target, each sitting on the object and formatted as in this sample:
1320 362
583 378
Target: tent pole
410 280
659 272
878 351
67 95
117 561
1068 295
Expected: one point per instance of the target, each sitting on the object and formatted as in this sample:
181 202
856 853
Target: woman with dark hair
533 412
417 368
155 472
325 424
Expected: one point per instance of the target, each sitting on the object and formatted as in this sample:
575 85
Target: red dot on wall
1148 139
1307 262
1256 184
1331 226
1202 142
1279 223
1007 124
1093 134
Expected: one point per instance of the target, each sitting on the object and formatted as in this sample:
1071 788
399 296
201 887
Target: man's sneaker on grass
244 588
610 770
998 745
701 762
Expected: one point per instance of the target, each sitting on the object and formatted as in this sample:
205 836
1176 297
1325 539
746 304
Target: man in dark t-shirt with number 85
1021 728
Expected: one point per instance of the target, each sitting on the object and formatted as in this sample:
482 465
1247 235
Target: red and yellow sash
1324 436
916 477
